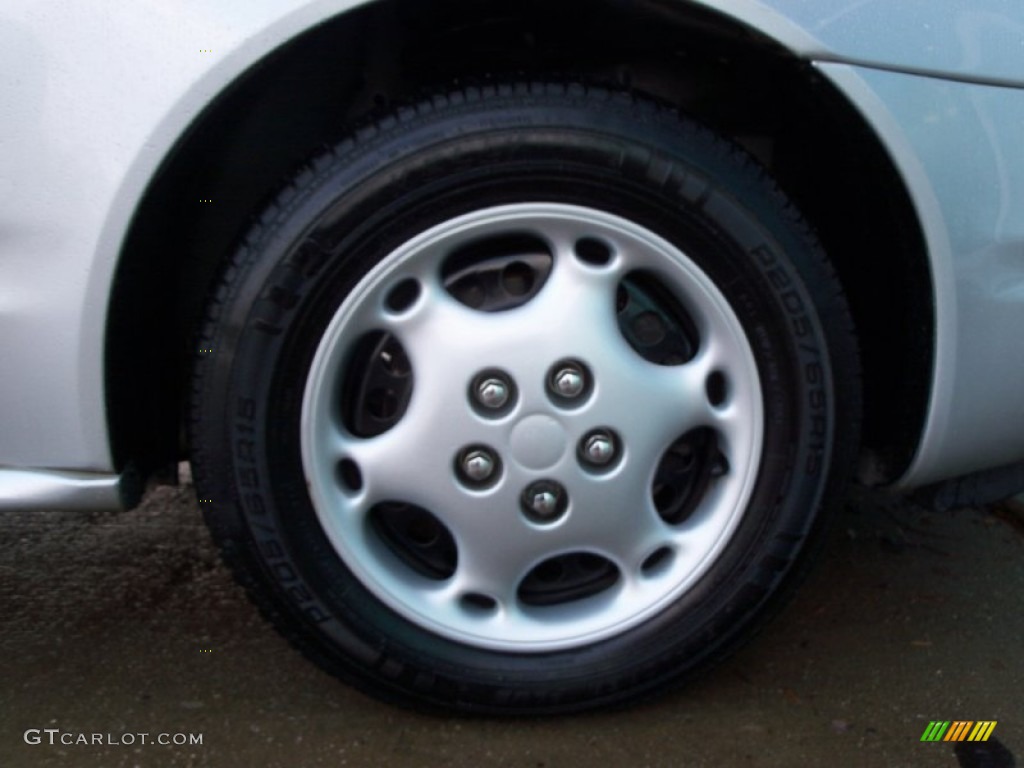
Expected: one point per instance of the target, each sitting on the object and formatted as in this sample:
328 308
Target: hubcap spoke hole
685 473
403 296
657 562
416 537
479 604
653 322
382 403
497 273
718 389
518 278
566 578
592 251
378 387
349 477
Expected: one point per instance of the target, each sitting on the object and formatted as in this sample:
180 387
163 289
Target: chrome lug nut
492 393
568 380
544 500
598 448
544 503
478 466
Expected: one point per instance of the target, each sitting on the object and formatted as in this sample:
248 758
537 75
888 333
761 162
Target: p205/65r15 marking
544 389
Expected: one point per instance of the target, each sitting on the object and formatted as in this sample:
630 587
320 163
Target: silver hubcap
536 443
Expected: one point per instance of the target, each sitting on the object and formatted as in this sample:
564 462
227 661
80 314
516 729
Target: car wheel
523 399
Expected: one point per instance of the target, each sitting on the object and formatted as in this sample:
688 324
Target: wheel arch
309 92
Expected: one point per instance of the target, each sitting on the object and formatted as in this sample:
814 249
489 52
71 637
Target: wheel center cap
538 441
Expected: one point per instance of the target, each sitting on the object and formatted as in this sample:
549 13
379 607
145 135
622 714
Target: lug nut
492 393
544 503
477 465
598 448
544 500
568 381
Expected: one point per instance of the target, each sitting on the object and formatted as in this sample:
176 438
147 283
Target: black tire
576 151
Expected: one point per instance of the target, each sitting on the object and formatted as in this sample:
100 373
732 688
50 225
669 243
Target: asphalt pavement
123 630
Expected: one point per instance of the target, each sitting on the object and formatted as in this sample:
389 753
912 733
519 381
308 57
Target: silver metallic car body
95 95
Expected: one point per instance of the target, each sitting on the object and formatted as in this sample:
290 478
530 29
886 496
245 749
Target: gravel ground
127 623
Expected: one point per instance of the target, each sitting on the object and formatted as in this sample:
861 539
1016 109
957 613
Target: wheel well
310 92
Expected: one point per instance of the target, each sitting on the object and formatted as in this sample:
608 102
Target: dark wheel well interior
310 92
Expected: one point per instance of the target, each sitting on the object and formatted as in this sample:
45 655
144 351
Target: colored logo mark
959 730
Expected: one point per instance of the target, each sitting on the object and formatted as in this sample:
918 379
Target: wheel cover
532 427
